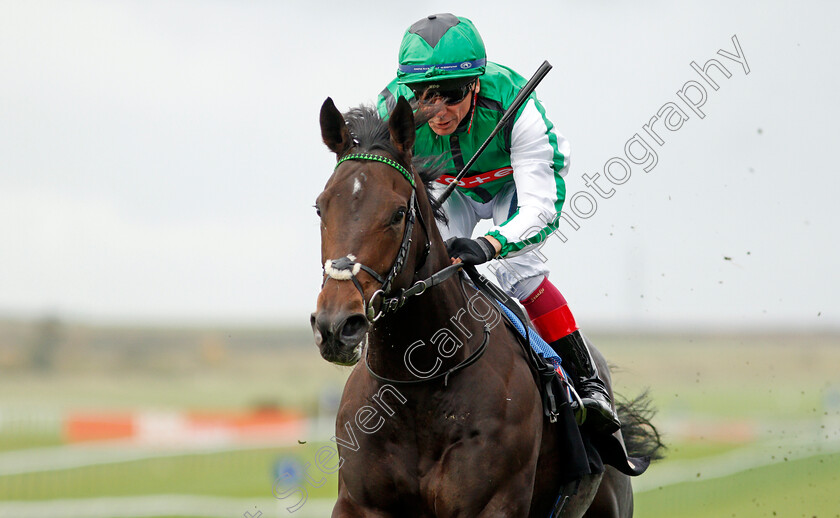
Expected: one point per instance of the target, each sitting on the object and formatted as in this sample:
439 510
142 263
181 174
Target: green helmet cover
441 47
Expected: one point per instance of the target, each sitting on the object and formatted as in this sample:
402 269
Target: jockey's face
446 117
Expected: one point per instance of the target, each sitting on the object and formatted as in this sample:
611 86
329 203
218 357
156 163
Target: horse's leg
614 498
512 499
344 508
578 503
477 482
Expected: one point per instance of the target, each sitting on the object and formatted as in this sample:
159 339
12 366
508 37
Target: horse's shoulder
357 391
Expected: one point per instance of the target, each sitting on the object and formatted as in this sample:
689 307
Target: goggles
450 95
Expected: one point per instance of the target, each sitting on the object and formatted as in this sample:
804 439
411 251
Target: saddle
588 452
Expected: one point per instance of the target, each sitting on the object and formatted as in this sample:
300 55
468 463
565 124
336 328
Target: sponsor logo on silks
479 179
464 65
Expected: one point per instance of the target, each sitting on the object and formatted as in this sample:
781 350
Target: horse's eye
398 216
317 210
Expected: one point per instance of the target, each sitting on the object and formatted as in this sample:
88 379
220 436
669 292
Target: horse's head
367 212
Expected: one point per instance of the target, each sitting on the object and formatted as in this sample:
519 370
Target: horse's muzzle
339 336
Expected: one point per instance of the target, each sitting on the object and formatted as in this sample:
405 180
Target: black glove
470 251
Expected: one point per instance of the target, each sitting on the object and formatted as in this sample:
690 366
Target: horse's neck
437 320
429 326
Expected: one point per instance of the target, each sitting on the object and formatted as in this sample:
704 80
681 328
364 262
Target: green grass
726 377
23 441
286 378
807 488
711 379
698 450
234 474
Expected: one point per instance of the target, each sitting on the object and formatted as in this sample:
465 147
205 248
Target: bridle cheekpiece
346 268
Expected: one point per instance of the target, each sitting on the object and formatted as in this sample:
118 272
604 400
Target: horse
440 416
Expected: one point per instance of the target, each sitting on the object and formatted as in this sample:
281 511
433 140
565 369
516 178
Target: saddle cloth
537 343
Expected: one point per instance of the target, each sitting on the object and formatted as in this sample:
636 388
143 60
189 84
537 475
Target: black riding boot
598 413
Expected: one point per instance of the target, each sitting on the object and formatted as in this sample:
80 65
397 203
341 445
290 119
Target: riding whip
517 103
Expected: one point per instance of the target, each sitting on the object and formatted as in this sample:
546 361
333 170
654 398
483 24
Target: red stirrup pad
549 312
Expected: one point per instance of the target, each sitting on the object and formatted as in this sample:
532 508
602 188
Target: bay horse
427 426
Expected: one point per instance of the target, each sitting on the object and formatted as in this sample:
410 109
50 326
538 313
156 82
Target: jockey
517 181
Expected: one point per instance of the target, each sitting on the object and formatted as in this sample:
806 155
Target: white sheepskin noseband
342 274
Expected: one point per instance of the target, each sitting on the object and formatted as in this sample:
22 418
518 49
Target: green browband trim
379 158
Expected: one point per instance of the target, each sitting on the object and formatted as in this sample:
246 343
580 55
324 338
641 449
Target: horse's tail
641 438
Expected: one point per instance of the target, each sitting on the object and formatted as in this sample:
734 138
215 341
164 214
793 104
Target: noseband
346 268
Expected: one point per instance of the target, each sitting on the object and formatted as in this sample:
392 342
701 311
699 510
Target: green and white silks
527 151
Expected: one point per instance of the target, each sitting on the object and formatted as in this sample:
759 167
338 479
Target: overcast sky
159 160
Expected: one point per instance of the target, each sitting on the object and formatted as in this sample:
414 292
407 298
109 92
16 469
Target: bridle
346 268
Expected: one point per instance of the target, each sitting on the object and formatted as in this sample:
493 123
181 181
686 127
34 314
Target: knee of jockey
523 289
549 311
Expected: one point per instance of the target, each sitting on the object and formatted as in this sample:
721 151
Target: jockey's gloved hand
470 251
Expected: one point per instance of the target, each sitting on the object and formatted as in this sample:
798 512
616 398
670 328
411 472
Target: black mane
370 133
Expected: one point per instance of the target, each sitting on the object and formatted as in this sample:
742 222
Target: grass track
807 488
716 379
803 488
10 442
232 474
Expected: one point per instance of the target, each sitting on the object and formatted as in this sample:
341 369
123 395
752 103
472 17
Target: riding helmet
441 48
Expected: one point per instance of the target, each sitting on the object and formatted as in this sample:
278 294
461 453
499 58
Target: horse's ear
333 128
401 126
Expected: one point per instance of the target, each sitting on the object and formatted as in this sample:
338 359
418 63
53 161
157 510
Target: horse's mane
370 133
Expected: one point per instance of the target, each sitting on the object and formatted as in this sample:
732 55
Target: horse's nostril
316 331
354 328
